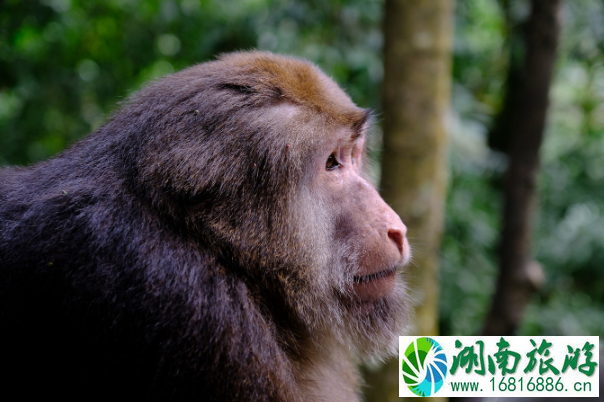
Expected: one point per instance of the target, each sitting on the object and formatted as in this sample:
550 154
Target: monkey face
363 223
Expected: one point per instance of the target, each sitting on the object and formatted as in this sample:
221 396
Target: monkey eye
332 162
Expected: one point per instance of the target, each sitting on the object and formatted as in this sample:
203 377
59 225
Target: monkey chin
369 289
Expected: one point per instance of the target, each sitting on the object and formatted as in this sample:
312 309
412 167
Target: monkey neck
331 376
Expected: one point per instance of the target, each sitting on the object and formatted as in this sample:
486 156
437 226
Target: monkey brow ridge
358 127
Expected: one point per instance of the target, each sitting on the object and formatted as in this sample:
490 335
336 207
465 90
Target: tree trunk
519 276
417 64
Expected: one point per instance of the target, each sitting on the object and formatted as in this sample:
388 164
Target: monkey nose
397 236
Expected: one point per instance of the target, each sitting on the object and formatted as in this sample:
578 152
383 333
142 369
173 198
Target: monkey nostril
397 237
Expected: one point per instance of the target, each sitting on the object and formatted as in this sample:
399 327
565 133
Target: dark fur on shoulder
185 250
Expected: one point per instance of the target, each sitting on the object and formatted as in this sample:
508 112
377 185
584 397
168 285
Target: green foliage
570 206
64 64
570 235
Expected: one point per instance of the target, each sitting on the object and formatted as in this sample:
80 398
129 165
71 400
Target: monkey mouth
368 289
363 279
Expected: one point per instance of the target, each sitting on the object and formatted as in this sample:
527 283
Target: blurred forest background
65 64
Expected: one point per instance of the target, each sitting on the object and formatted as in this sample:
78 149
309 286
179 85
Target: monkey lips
374 286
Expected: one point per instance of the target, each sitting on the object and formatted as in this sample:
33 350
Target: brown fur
199 246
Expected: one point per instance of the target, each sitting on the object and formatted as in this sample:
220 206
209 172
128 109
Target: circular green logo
424 366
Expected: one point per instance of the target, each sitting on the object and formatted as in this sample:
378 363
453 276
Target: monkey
217 239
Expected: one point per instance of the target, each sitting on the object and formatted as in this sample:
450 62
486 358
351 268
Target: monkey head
260 159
